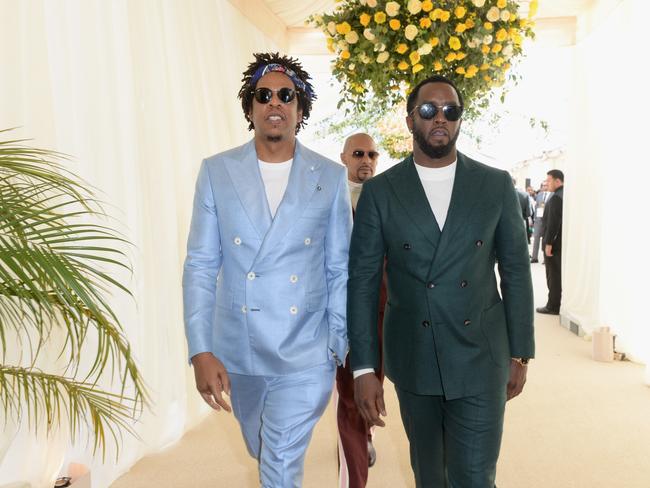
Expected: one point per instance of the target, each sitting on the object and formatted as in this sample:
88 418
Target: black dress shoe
547 311
372 455
534 261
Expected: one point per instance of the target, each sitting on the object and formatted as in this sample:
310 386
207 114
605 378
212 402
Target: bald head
360 157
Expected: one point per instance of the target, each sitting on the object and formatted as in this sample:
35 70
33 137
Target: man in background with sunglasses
454 347
356 452
266 272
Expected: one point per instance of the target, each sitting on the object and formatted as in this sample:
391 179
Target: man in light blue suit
264 282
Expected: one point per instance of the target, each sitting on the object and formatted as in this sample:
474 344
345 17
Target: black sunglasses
358 154
264 95
428 111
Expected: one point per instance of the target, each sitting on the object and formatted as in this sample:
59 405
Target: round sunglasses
264 95
428 111
358 154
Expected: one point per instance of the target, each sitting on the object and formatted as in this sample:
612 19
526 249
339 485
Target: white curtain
138 92
606 258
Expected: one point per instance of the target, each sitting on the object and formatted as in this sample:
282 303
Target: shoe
547 311
534 261
372 455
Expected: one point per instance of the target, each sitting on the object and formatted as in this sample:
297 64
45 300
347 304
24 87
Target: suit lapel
247 180
409 191
302 184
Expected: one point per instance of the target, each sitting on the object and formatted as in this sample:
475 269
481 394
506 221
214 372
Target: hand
211 379
369 397
517 379
548 250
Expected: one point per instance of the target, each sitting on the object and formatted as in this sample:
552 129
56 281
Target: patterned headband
300 85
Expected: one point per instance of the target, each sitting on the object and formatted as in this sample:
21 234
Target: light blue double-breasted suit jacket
267 296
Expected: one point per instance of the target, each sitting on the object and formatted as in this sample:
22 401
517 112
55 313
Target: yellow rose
359 88
460 56
488 26
437 66
450 57
330 44
469 23
383 57
403 65
380 17
487 78
417 67
434 41
497 48
501 35
410 32
345 54
485 66
532 9
471 70
427 5
502 3
425 22
401 48
414 57
343 28
445 15
460 12
460 28
435 14
506 66
498 61
517 38
460 70
454 43
364 19
485 49
394 24
523 23
392 8
414 6
493 14
352 37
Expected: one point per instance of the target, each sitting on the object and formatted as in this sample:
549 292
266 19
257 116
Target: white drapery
138 92
606 264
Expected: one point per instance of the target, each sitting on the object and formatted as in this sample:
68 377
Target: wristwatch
522 361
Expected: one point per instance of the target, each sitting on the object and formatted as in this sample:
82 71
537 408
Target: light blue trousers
277 415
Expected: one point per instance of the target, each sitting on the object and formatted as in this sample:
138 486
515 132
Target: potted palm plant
56 258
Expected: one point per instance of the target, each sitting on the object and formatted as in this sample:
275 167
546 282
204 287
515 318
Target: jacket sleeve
367 251
553 221
337 246
514 271
202 265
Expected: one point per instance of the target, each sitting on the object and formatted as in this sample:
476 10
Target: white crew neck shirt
275 177
355 192
438 184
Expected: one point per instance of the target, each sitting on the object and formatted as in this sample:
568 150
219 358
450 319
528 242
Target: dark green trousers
453 443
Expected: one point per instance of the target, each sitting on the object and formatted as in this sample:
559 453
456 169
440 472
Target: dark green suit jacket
447 330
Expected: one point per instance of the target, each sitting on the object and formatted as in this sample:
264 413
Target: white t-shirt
355 192
275 177
438 184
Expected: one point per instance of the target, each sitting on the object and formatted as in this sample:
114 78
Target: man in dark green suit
455 348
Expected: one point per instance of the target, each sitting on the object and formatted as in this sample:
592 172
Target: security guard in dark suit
455 348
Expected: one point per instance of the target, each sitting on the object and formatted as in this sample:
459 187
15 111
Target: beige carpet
578 424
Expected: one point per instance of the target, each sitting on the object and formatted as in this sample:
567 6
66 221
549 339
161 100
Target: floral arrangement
384 47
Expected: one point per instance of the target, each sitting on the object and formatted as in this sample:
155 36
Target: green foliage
53 279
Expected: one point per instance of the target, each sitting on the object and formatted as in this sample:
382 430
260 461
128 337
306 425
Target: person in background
553 242
538 221
264 282
356 451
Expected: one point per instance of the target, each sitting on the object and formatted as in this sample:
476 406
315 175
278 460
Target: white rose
508 51
414 6
478 3
471 44
342 45
362 2
392 8
493 14
351 66
383 57
364 59
331 28
367 33
505 15
352 37
380 47
425 49
487 39
371 3
410 32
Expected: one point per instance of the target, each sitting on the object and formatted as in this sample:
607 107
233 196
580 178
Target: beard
434 152
274 138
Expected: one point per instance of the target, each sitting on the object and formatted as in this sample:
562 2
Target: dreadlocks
305 96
